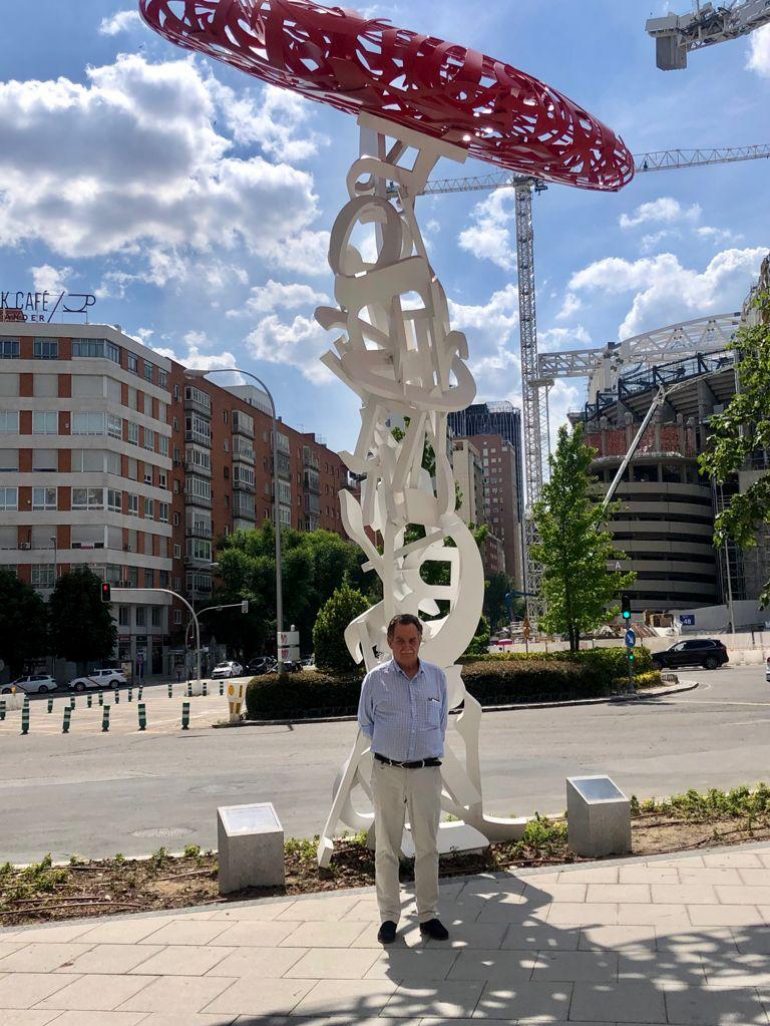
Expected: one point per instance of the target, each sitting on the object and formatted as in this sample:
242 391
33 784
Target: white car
228 669
34 683
97 679
767 670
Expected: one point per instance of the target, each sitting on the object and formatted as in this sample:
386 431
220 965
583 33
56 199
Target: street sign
630 638
687 619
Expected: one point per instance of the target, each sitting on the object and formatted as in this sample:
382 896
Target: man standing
403 709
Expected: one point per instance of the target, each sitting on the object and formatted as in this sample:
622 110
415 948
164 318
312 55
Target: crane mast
676 35
534 386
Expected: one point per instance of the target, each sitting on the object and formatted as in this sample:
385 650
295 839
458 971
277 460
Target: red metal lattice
335 56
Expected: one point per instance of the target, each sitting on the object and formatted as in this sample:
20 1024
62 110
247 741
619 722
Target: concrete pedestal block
250 839
598 817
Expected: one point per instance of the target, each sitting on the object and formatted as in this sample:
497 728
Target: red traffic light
106 592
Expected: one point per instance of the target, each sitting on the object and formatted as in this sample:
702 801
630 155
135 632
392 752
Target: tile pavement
671 940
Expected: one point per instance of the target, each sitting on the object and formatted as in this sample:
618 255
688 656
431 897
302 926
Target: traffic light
245 606
106 592
625 607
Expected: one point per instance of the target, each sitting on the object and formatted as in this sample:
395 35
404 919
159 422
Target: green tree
574 547
743 429
331 652
496 606
82 629
480 640
23 623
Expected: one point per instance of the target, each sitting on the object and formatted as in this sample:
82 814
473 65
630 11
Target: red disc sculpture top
356 64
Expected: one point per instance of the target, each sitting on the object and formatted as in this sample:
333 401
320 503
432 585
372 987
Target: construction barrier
142 708
185 715
106 719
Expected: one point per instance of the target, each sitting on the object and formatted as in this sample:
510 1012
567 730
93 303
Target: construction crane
534 387
676 34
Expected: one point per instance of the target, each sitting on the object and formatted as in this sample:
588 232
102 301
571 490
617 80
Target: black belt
407 765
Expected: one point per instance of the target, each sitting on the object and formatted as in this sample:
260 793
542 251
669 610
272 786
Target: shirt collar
397 668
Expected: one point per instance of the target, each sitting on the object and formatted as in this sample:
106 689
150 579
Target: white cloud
273 296
159 181
718 235
759 52
492 341
305 253
564 397
299 344
666 292
490 237
664 210
649 242
563 338
51 279
570 306
123 21
194 359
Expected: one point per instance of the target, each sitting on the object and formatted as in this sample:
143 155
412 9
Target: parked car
32 684
97 679
767 671
260 665
227 669
706 652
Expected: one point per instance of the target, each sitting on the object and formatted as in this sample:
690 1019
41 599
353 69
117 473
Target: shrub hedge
493 680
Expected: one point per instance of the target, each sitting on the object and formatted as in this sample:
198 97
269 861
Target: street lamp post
198 375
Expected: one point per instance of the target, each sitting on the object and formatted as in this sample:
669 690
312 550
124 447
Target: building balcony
199 529
191 467
243 453
242 485
310 459
242 424
197 401
312 482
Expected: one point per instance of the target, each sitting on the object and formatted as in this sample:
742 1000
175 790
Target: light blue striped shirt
406 719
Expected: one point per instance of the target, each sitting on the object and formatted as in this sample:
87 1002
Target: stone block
598 817
250 840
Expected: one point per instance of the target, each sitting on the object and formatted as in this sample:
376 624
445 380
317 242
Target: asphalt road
96 795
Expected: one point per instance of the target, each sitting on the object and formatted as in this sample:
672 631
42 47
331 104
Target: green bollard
117 697
142 716
106 719
72 702
141 692
25 718
189 689
185 715
221 687
171 691
205 689
2 708
101 698
50 705
89 700
65 727
130 694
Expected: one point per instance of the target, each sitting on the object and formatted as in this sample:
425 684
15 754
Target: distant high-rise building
494 418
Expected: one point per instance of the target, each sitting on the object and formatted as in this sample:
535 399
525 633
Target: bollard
141 692
50 705
189 689
171 691
101 698
72 702
130 694
185 715
65 727
142 715
117 696
25 718
106 719
205 688
221 687
89 701
2 708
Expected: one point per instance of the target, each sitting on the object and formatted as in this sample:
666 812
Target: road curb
612 699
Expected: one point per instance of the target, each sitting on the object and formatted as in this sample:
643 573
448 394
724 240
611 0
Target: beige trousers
397 791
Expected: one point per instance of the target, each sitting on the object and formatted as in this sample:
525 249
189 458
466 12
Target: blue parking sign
630 638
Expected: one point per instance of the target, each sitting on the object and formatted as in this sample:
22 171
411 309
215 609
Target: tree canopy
574 547
82 629
742 430
23 623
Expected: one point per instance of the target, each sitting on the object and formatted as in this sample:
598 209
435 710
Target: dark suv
704 652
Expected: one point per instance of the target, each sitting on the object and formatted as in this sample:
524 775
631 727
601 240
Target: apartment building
111 458
475 506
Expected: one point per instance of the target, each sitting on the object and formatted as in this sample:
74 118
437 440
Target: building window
162 378
149 439
124 614
149 578
43 498
133 505
113 352
114 500
163 445
157 616
177 552
43 575
9 459
140 617
9 422
48 460
114 426
163 510
132 363
133 433
177 616
45 349
197 548
162 479
177 520
149 509
9 349
87 423
149 372
163 579
45 422
9 499
87 498
89 347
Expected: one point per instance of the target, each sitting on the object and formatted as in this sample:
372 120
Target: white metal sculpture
400 355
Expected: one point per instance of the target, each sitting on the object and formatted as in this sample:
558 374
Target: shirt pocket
433 713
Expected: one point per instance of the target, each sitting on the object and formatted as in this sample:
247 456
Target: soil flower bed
44 892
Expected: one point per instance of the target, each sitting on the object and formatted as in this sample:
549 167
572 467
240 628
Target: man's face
405 643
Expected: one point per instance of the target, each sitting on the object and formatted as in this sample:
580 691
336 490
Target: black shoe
434 929
387 932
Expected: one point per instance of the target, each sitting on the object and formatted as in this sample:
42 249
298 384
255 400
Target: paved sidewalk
681 940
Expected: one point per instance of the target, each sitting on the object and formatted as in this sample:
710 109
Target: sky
196 203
